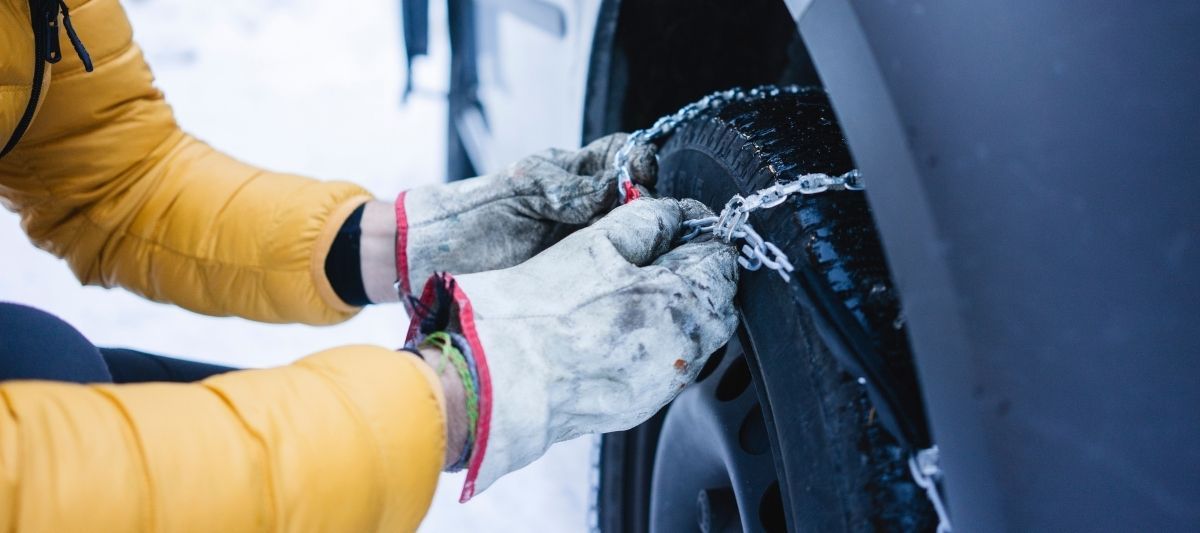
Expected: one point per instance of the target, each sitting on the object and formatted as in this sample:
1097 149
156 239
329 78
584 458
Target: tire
779 433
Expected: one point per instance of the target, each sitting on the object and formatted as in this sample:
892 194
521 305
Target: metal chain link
732 223
666 125
926 472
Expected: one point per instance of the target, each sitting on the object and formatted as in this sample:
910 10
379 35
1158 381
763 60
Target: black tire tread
832 239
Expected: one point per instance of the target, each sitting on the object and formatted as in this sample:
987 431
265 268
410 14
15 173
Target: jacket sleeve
107 180
345 440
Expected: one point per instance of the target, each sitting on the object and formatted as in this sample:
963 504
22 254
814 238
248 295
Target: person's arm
107 180
350 439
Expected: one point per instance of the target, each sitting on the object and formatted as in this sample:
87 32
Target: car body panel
532 60
1031 166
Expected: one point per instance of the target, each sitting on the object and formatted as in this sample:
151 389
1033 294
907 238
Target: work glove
593 335
500 220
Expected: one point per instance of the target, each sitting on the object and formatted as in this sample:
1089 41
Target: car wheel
796 424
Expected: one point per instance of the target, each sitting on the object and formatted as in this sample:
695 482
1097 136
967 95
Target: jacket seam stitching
267 463
149 515
206 261
380 456
15 518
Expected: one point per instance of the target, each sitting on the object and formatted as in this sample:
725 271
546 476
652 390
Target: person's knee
35 344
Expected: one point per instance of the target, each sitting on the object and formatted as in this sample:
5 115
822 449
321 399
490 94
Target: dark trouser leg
35 344
130 366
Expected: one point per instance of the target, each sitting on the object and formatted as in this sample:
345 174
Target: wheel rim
714 468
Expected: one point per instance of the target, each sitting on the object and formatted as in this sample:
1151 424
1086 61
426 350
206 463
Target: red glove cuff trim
402 247
631 192
466 320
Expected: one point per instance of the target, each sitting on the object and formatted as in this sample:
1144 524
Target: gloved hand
595 334
500 220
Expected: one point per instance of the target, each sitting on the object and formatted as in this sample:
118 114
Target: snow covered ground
312 87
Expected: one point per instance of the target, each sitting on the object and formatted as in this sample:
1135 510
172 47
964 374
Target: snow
311 87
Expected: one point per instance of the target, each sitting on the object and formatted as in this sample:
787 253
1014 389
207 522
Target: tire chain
732 223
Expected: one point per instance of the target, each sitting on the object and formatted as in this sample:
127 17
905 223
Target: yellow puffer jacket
346 440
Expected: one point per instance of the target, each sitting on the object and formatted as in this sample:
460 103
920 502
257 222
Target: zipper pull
76 43
53 52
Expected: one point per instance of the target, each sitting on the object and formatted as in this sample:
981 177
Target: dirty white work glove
500 220
595 334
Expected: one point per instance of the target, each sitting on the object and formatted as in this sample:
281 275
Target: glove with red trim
500 220
593 335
